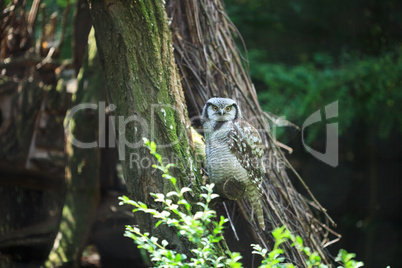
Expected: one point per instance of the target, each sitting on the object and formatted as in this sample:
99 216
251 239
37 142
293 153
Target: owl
234 153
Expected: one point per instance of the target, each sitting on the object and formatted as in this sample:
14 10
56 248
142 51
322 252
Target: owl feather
246 144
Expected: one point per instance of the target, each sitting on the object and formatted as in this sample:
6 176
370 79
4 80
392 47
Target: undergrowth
205 232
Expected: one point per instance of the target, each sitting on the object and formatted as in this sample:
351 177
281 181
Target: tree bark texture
136 53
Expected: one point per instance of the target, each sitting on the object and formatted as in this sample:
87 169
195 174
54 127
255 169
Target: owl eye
214 108
228 108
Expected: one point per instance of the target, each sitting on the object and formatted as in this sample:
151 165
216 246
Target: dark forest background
307 54
303 55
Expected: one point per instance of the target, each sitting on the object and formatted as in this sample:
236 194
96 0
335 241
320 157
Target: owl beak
223 111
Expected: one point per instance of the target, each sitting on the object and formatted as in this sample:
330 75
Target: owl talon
233 189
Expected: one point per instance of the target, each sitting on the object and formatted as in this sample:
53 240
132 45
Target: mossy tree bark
82 169
134 43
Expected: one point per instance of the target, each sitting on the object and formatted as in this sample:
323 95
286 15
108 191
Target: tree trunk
136 53
82 170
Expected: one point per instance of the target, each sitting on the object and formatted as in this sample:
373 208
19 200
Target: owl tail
260 214
257 207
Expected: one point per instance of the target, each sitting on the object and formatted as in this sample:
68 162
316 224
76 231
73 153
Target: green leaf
299 241
213 196
152 146
184 189
173 193
178 258
158 223
164 243
159 197
142 205
158 167
170 165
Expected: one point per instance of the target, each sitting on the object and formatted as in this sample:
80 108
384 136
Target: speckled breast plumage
222 164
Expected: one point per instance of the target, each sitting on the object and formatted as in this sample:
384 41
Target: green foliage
204 232
347 259
368 91
275 259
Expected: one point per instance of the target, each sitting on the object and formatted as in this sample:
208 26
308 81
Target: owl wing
246 144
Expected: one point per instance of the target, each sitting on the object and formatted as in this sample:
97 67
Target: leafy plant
199 228
275 259
204 232
347 259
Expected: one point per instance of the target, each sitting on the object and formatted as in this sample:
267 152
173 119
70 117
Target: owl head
220 109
